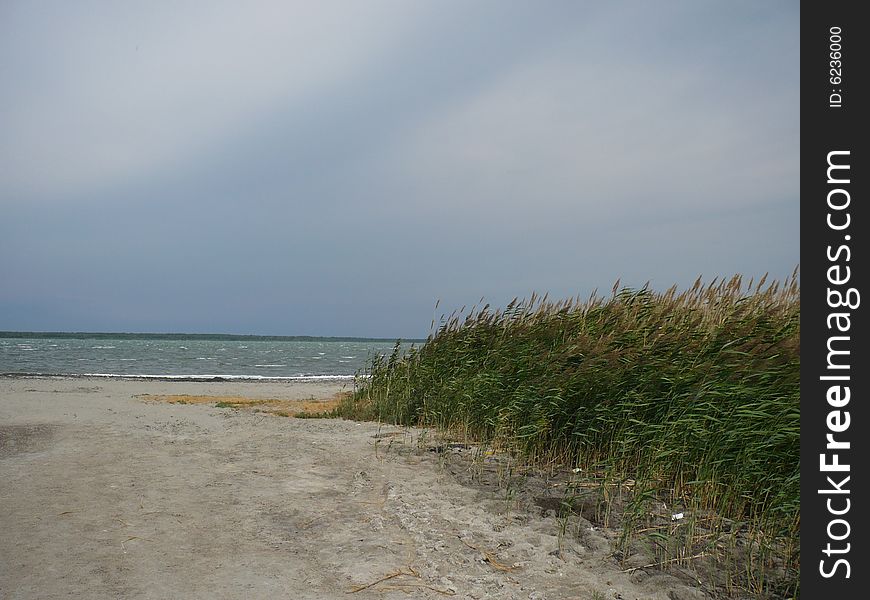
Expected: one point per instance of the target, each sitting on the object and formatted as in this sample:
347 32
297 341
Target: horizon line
171 335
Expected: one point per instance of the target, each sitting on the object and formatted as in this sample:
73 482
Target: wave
222 377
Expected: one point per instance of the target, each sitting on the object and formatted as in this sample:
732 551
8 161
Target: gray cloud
334 168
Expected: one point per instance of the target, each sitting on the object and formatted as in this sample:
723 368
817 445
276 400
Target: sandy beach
106 494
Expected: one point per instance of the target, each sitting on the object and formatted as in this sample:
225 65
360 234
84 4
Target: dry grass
272 406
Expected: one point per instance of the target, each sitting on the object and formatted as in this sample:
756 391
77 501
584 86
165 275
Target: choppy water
187 358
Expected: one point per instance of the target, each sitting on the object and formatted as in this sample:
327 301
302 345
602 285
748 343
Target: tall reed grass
693 391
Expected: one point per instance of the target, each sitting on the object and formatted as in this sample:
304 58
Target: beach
109 491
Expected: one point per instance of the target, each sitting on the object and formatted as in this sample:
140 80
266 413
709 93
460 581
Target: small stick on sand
490 558
382 579
666 562
407 586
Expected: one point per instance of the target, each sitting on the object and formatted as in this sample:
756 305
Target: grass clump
312 408
328 414
692 394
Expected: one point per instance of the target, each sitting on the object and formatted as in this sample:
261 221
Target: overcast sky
334 168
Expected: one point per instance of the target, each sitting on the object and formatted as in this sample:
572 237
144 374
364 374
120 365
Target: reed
695 392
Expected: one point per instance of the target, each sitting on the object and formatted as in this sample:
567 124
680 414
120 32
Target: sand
107 495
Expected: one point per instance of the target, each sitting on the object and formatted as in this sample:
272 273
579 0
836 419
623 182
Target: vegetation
692 396
312 408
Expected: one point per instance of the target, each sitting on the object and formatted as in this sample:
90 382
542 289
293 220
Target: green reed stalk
694 391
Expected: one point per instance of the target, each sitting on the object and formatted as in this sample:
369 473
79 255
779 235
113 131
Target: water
181 358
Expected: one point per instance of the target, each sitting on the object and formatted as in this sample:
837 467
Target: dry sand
105 495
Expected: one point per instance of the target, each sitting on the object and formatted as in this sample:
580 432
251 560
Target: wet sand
107 495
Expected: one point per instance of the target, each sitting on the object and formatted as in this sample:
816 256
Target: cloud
334 168
638 133
122 95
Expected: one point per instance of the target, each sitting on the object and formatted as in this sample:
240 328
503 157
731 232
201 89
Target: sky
335 168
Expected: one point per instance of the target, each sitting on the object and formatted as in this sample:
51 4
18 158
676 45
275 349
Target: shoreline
185 377
122 388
